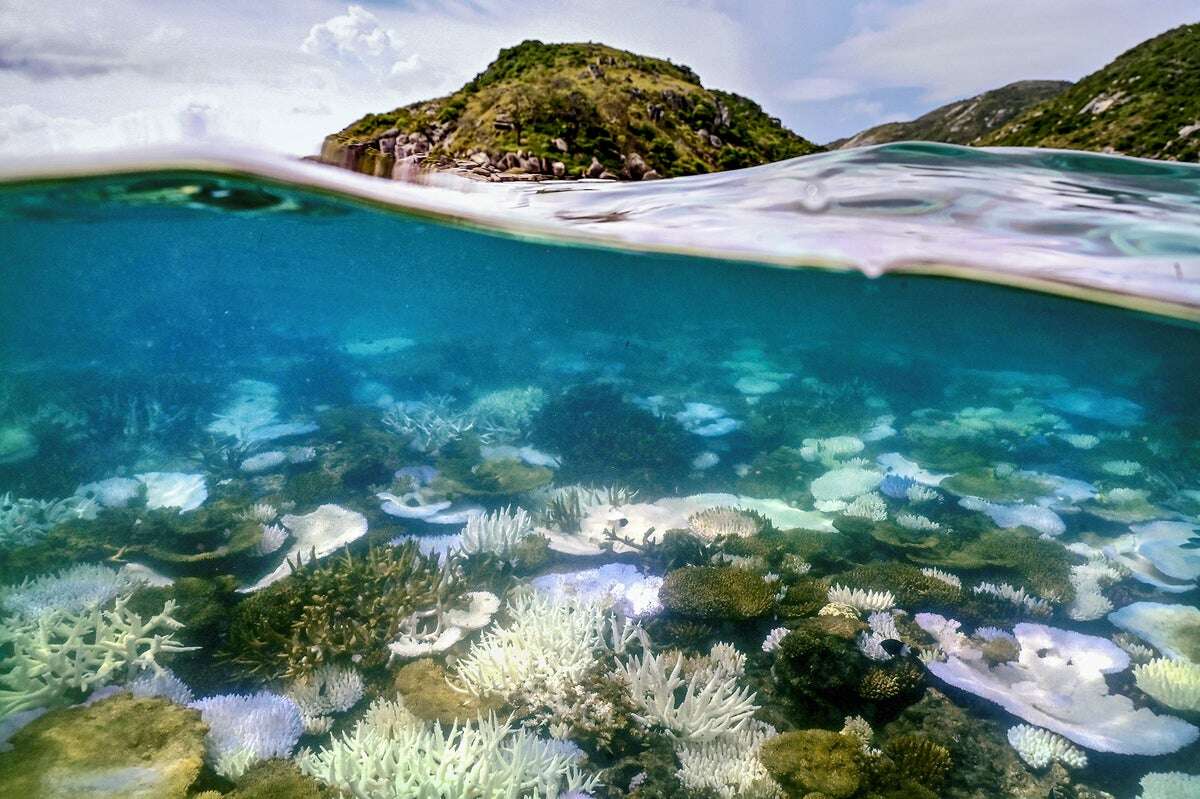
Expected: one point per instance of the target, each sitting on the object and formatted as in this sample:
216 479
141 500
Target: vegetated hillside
1145 103
963 121
567 110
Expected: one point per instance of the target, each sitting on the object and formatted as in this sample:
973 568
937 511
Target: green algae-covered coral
818 666
603 438
337 610
1019 556
119 748
919 759
60 654
277 779
426 693
814 761
911 587
463 472
716 592
1002 483
895 679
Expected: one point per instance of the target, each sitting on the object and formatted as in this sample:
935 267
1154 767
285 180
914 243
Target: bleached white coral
1175 683
860 599
860 730
1018 596
1039 747
60 651
774 639
945 577
507 413
540 655
1121 468
429 425
844 483
23 521
1087 579
496 533
915 521
263 512
73 590
867 506
1170 785
919 494
883 628
404 757
273 536
711 704
1137 651
729 766
162 683
829 451
713 523
243 730
328 690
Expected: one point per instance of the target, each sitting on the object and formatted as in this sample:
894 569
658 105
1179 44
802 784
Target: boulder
119 748
559 169
595 169
635 166
560 145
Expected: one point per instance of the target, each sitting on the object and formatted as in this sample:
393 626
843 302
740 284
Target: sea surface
410 444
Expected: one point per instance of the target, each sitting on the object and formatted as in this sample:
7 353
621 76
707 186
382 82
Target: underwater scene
302 496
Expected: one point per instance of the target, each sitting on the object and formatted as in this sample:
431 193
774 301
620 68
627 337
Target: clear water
167 323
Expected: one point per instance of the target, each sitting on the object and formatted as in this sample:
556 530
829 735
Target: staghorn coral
25 521
60 652
390 754
729 766
945 577
338 609
716 592
1038 747
1174 683
867 506
428 425
711 704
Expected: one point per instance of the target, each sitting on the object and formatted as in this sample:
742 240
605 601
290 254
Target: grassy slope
1157 86
550 91
963 121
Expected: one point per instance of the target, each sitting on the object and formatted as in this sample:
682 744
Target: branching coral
390 754
713 523
1175 683
1017 596
712 703
243 730
24 521
861 600
60 651
1038 747
716 592
729 766
73 590
428 425
328 690
343 608
497 533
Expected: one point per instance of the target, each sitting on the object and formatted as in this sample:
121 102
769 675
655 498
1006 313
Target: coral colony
700 568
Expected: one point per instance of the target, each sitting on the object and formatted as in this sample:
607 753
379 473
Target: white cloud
357 40
957 48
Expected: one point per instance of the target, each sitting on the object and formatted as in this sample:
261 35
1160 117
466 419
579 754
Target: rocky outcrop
558 111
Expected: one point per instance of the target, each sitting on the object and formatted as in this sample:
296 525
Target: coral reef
1039 747
814 761
1174 683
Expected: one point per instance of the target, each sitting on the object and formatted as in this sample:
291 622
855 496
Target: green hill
1145 103
567 110
964 121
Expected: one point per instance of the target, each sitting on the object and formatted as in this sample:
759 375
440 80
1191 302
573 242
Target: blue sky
280 75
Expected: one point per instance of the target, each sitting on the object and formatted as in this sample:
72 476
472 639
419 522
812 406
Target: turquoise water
194 369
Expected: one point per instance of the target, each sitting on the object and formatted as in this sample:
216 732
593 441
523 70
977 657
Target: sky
279 75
